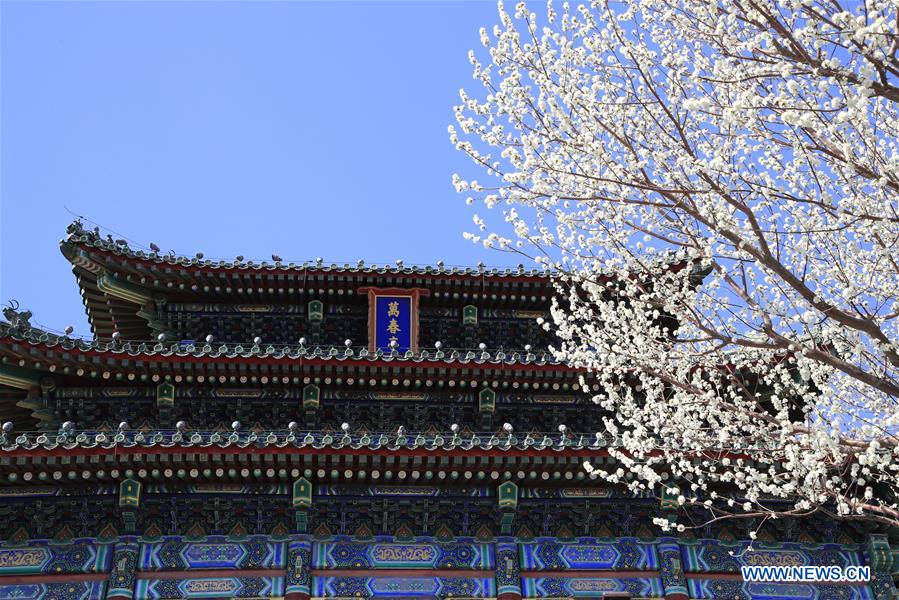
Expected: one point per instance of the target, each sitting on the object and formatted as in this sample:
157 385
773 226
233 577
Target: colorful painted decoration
720 557
708 589
63 558
210 587
123 575
588 553
590 587
403 587
213 553
76 590
384 554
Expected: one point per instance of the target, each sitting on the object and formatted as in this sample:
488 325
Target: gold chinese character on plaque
393 327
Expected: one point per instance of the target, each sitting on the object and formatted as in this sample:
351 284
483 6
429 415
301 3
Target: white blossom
715 184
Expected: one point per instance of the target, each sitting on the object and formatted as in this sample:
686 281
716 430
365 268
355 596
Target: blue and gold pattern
508 573
299 559
548 554
713 556
210 587
738 590
403 587
590 587
211 553
43 557
384 553
124 568
882 584
78 590
671 567
24 560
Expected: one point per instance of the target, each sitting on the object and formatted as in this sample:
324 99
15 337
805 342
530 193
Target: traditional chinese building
263 430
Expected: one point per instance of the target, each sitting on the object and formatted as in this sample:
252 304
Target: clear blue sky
303 129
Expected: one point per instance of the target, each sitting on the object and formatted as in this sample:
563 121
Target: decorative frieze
69 590
300 566
385 553
403 587
549 554
178 554
713 556
47 557
590 587
211 587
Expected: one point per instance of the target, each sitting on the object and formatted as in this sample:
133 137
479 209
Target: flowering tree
757 141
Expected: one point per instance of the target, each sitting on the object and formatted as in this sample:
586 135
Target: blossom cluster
734 166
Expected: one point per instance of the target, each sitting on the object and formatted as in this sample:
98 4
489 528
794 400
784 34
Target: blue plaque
393 322
393 318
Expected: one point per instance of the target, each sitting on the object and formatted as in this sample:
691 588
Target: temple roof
137 277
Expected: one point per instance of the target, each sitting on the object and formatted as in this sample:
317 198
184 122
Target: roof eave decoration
132 441
112 304
19 378
109 284
52 348
143 298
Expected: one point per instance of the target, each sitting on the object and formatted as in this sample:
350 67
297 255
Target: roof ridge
77 234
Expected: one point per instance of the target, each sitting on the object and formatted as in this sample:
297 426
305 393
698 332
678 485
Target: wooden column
123 576
671 569
508 569
299 559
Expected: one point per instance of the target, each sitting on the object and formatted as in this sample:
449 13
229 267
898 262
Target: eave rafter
151 455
